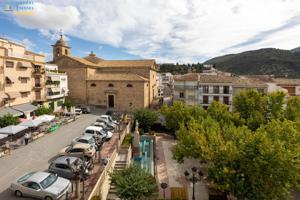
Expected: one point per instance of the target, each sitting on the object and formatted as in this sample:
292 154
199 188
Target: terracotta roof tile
186 77
116 77
286 81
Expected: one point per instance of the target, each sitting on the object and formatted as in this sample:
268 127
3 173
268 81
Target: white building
164 81
56 86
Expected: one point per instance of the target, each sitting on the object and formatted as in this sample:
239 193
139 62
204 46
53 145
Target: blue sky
168 30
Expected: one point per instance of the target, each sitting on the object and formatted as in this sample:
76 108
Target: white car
95 130
78 111
42 185
109 118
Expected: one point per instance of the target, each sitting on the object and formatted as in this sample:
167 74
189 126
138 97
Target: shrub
127 140
8 119
43 111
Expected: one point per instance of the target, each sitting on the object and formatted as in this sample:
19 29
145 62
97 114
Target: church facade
112 84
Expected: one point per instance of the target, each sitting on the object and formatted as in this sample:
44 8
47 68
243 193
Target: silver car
41 185
67 167
87 139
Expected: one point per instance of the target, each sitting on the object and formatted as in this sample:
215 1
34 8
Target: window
31 185
93 85
61 166
205 88
181 95
226 89
205 99
226 100
216 98
9 64
23 79
216 89
8 81
57 52
59 103
129 85
24 94
66 52
110 85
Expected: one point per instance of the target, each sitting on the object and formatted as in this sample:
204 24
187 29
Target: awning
55 89
31 123
54 78
4 111
25 91
27 107
12 130
7 79
13 95
24 64
3 95
46 118
3 136
24 77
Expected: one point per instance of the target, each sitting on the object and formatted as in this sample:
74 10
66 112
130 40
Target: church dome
61 42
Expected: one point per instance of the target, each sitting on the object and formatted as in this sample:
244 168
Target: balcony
55 95
185 87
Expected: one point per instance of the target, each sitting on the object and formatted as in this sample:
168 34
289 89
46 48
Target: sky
166 30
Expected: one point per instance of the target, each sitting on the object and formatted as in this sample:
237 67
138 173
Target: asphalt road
35 156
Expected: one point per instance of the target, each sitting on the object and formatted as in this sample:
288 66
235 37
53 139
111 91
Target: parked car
68 167
79 150
78 111
107 122
95 130
103 125
109 119
42 185
85 110
87 139
115 115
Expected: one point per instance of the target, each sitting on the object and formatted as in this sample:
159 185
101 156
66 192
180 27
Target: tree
146 118
252 107
8 119
261 165
43 110
275 105
292 111
180 113
67 104
134 183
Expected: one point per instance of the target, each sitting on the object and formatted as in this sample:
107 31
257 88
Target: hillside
263 61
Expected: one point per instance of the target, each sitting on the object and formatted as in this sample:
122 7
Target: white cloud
172 30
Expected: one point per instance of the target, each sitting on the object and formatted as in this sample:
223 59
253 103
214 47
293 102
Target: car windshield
89 131
25 177
47 182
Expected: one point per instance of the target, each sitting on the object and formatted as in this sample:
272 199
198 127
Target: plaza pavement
35 156
171 172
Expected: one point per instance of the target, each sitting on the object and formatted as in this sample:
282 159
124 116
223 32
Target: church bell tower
61 48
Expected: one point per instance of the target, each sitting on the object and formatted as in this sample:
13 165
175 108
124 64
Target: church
113 84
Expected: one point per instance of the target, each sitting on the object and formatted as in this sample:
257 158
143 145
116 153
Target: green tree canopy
67 104
8 119
292 111
42 110
134 183
146 118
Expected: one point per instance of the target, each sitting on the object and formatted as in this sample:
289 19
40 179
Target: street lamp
194 177
164 187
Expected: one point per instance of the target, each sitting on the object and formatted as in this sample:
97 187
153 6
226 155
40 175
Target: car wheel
18 193
48 198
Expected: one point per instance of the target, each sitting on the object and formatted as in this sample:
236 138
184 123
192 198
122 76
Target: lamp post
194 177
164 187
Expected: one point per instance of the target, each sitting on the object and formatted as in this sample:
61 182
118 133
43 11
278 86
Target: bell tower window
57 52
66 52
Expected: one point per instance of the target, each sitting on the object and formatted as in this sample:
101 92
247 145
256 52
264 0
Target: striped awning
54 78
55 89
24 64
13 95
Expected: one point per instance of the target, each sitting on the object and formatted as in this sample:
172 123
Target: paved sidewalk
169 171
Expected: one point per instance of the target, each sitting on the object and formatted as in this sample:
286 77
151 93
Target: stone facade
113 84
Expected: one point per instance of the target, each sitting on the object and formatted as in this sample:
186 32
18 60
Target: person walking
27 138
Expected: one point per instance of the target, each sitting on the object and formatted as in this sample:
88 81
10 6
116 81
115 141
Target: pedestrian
7 147
27 138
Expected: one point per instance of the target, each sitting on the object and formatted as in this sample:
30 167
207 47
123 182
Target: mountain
260 62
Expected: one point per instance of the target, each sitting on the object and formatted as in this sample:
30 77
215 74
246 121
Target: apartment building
203 89
21 79
186 88
56 86
165 84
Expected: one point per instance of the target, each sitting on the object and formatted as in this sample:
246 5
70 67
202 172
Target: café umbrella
32 123
46 118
